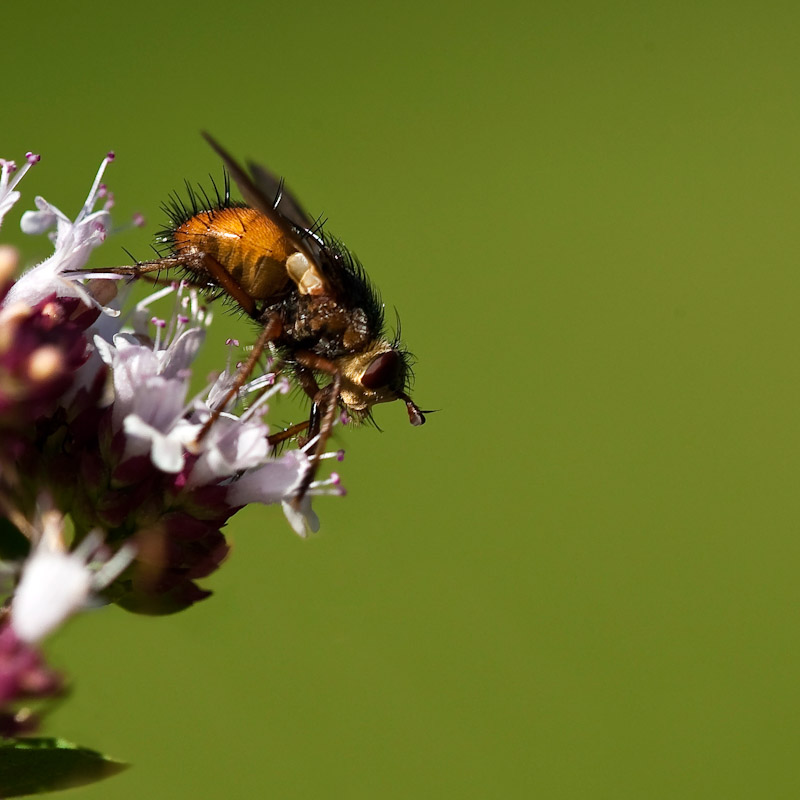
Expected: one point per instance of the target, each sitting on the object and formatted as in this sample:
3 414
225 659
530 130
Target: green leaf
35 765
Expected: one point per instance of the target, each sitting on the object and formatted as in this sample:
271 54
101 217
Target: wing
288 206
284 201
255 196
261 192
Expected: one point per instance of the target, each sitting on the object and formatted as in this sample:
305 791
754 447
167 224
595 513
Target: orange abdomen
248 246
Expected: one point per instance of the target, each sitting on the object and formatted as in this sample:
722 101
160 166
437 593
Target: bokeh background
580 579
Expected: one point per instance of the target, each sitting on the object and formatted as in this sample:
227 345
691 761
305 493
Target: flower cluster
113 486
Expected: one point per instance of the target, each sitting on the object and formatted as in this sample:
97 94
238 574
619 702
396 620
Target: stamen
310 444
115 566
136 221
261 381
174 317
92 198
159 324
338 455
257 385
331 485
88 546
141 306
231 344
10 167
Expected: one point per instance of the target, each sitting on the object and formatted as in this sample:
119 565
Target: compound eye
383 369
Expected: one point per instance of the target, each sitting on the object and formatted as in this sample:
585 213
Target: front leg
323 412
272 330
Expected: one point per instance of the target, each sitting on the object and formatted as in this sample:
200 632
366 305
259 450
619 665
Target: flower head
74 241
116 480
101 417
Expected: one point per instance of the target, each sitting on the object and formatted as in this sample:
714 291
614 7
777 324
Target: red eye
382 370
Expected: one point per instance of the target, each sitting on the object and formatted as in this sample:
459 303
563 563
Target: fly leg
199 264
287 433
142 270
138 270
308 383
205 263
323 412
271 332
229 284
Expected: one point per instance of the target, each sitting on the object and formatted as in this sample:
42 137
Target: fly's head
380 373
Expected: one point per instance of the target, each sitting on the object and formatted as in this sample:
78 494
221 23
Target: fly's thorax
323 325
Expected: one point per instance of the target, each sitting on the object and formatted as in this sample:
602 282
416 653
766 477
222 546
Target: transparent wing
283 201
255 196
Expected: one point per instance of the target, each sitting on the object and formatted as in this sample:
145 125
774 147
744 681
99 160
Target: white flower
150 407
131 363
302 518
8 193
272 482
74 241
55 583
150 377
167 443
279 480
150 383
231 444
105 327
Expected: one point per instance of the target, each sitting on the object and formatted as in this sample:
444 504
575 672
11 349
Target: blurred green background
579 580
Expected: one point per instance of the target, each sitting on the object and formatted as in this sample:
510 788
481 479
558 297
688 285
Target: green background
580 579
